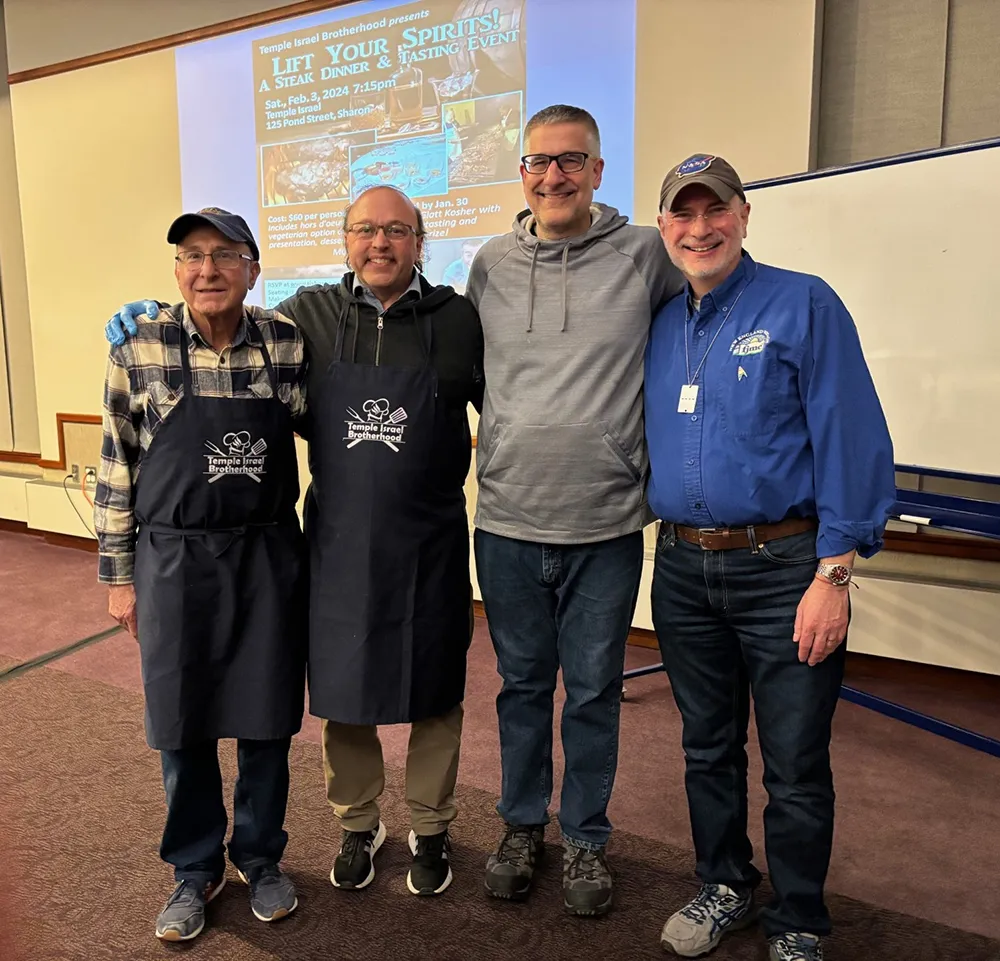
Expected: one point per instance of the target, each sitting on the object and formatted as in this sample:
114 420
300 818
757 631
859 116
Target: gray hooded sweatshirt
561 457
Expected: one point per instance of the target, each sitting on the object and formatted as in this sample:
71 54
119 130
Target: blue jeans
725 621
196 813
551 606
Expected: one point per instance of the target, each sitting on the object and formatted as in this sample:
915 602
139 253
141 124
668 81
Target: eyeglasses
570 162
394 231
716 217
222 258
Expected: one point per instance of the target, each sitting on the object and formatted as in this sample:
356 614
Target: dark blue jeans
725 621
196 813
551 606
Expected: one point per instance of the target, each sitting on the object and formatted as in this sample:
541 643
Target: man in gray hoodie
566 299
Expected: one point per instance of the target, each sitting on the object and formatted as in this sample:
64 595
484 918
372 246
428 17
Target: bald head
384 233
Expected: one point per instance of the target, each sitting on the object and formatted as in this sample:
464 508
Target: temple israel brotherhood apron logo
245 457
376 425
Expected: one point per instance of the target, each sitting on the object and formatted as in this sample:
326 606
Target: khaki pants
355 774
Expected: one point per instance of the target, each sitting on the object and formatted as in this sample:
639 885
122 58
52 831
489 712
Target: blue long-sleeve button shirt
787 422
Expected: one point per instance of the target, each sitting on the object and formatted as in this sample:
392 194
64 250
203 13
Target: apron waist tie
201 531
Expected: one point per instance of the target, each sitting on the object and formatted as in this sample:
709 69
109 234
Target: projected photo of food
307 171
418 166
484 139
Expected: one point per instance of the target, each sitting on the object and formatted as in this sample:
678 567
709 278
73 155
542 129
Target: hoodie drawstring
531 287
565 260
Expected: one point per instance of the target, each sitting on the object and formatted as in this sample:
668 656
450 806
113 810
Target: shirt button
697 506
701 333
694 417
222 361
691 463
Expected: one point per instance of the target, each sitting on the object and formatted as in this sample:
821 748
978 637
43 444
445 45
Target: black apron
390 592
220 570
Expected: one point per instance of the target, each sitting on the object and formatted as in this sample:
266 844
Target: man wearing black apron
394 363
199 453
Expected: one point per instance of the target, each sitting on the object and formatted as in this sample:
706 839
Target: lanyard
692 378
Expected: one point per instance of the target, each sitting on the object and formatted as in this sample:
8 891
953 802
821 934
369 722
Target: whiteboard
913 250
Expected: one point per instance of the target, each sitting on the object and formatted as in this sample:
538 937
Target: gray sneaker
795 946
701 924
272 894
510 870
587 884
183 916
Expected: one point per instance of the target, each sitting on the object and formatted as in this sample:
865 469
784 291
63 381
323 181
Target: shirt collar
242 333
722 293
364 292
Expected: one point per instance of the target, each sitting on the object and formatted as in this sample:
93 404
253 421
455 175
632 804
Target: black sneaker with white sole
510 870
430 872
354 867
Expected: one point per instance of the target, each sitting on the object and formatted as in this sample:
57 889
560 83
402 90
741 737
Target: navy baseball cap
232 226
705 169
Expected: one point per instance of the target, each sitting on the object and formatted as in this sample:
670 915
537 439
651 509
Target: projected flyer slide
421 98
287 122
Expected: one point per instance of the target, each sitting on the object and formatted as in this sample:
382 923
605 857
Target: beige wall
745 93
41 32
94 210
18 413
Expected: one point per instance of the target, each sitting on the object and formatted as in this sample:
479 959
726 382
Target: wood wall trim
22 457
177 39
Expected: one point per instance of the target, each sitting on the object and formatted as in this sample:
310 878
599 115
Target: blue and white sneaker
701 924
795 946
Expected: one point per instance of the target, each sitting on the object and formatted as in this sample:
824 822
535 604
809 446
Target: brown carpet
83 805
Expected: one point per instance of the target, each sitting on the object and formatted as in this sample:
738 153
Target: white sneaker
795 946
701 924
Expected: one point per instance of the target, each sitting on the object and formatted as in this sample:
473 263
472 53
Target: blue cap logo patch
695 164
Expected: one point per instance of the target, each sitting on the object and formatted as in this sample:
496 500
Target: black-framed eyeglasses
570 162
393 231
222 258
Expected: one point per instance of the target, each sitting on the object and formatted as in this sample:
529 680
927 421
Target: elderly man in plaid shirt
201 547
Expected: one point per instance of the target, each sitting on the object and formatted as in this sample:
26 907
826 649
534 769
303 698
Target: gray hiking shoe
587 884
272 894
183 916
795 946
702 923
510 870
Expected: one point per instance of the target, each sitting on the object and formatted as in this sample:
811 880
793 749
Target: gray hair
563 113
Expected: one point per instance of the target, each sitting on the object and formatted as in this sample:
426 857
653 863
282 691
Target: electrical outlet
75 471
90 477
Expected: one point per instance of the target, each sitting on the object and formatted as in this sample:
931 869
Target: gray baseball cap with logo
705 169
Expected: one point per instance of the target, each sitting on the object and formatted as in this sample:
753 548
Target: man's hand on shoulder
124 324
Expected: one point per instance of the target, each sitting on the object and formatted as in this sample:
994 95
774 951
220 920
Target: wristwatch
839 575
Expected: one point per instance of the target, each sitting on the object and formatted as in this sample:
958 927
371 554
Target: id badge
688 399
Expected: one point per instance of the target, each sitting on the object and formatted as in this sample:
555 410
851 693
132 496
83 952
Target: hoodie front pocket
560 477
613 441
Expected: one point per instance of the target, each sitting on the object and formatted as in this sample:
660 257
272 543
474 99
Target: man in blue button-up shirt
771 469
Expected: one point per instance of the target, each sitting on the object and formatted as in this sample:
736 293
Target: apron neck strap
253 335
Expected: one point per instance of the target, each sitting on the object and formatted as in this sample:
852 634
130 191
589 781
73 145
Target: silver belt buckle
702 531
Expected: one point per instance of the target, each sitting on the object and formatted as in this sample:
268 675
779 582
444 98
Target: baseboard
87 544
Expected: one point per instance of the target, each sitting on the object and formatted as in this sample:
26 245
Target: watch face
839 574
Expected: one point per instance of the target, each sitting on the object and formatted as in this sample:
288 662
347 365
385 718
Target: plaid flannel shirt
144 382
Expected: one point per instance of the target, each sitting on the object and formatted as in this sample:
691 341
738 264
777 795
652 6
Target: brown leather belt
753 536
